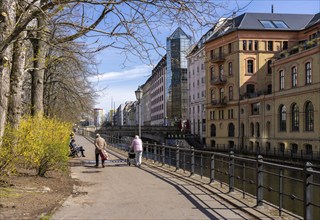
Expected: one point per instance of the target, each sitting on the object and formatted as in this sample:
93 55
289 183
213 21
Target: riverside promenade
119 191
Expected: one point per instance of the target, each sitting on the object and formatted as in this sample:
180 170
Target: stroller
131 157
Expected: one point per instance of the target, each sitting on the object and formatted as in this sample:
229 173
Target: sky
121 77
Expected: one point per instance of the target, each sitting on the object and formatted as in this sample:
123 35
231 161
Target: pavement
154 191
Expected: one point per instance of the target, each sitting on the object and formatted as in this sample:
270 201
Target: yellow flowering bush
39 143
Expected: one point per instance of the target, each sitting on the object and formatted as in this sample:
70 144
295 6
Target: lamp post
139 93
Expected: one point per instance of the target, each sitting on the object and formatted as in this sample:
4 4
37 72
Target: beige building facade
244 98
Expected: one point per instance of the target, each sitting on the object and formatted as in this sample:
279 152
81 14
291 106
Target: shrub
39 143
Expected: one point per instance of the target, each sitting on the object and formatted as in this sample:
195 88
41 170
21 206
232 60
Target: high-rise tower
176 95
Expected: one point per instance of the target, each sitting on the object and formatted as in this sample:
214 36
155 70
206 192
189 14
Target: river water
291 182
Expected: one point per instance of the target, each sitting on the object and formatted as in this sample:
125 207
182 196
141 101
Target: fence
294 190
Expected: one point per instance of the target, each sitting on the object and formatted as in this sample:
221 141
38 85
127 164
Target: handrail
243 174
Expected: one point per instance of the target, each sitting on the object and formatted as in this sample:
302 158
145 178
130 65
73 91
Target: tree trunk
17 76
7 22
40 51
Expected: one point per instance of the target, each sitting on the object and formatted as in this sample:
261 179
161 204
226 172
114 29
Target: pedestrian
136 145
100 144
74 149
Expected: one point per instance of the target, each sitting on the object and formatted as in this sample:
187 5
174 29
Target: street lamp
139 93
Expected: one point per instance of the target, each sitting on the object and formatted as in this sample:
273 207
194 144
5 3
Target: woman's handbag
104 155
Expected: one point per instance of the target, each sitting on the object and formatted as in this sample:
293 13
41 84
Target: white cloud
129 74
120 85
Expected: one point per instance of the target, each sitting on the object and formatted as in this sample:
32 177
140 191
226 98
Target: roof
178 33
293 21
314 20
254 21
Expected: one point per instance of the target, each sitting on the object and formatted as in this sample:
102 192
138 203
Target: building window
308 149
250 89
267 24
213 130
309 117
281 79
294 148
211 54
212 73
269 89
269 66
230 114
221 114
213 97
250 44
295 117
244 45
231 130
308 73
283 118
221 93
282 146
229 47
294 75
230 93
211 115
230 68
252 129
221 72
270 45
255 108
285 45
256 45
258 129
250 66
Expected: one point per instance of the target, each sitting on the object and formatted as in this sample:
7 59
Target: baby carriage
131 157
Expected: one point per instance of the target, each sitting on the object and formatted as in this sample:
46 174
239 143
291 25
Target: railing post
192 161
177 158
231 171
147 150
163 152
259 181
154 152
308 180
280 191
212 168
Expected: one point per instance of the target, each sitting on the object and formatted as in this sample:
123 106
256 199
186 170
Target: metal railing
291 190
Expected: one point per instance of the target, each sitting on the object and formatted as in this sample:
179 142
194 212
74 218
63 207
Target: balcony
299 48
217 58
221 80
219 103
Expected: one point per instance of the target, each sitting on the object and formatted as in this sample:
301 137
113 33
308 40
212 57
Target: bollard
308 180
259 181
192 161
177 158
212 169
231 171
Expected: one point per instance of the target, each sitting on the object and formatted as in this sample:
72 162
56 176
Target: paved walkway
119 191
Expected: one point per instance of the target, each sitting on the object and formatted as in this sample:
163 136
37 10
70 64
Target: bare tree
131 26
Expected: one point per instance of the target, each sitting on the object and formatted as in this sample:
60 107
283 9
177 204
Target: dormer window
273 24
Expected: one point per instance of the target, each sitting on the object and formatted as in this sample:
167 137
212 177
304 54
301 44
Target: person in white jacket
136 145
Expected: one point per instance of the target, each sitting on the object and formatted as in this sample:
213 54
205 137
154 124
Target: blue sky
121 78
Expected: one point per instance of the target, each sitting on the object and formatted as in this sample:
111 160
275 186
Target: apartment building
197 86
157 85
244 104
